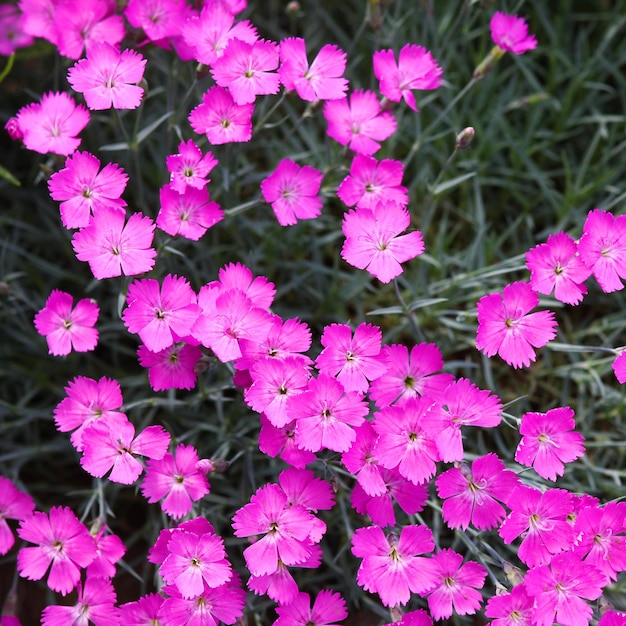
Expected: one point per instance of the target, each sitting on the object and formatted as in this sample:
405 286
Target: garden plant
312 313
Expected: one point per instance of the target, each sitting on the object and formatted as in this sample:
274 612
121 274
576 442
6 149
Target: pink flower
328 608
474 495
172 367
322 80
358 122
416 69
63 543
353 360
12 34
542 520
391 566
87 401
456 590
511 609
189 168
177 480
221 119
373 241
558 590
548 442
189 213
619 367
361 461
409 374
326 415
84 190
610 618
109 550
52 124
112 445
209 33
246 69
373 183
195 561
141 612
303 488
96 605
258 289
157 314
275 441
107 77
38 18
14 504
159 19
113 248
293 192
510 33
506 326
602 248
403 441
67 329
556 265
460 404
285 530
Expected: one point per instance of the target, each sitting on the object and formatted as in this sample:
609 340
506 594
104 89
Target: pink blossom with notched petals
158 313
415 69
66 328
321 80
555 265
189 213
237 276
14 504
514 608
275 441
112 247
246 70
209 33
109 550
328 608
38 18
548 442
391 566
358 122
63 543
361 461
293 192
354 360
52 124
602 248
373 183
415 618
507 327
221 119
326 415
404 442
409 374
87 401
613 618
197 525
112 445
175 479
159 19
108 78
189 168
510 33
95 605
84 190
303 488
171 368
473 495
12 34
374 243
142 611
456 585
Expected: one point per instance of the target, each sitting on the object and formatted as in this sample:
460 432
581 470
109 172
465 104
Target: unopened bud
464 138
513 574
293 8
205 466
486 65
13 128
5 288
220 465
396 613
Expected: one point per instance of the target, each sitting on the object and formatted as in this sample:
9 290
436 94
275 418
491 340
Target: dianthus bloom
322 80
549 441
358 122
107 77
171 368
293 192
457 584
328 607
556 265
511 609
52 124
416 69
67 329
12 33
189 168
63 543
84 190
391 566
506 326
14 504
510 33
602 248
374 243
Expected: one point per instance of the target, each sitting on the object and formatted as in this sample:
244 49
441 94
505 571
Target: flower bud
464 138
486 65
13 128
